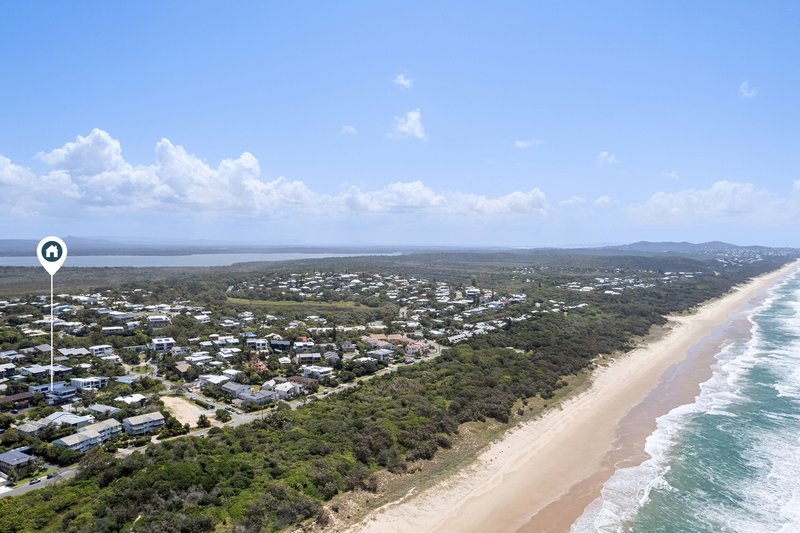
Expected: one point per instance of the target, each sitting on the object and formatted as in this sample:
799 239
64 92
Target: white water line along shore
540 461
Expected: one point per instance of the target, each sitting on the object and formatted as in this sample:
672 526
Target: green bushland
278 471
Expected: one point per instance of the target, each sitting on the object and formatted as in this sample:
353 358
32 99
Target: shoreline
541 475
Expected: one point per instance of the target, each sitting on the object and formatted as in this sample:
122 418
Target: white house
285 390
162 344
198 358
213 380
231 373
100 350
317 372
90 383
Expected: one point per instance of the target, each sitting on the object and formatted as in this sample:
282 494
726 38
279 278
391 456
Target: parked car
51 475
34 481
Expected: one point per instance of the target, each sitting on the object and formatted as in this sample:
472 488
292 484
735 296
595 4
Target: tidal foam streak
729 461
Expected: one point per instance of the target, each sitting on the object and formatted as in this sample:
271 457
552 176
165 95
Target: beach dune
541 475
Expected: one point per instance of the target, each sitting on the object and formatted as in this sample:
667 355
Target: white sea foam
629 489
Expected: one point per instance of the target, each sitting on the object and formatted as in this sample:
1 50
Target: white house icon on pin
51 252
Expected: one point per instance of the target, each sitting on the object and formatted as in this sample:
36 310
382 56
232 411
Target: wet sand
542 475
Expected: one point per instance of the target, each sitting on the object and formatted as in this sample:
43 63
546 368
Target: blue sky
510 123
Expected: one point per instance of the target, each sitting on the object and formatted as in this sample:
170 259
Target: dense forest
279 471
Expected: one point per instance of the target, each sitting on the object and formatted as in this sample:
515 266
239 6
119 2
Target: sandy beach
541 475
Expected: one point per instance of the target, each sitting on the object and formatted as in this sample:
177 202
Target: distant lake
194 260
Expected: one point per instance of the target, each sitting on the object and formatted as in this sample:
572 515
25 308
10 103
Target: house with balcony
141 424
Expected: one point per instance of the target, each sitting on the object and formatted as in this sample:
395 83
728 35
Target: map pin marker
52 252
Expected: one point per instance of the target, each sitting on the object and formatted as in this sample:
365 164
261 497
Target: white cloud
87 155
90 175
347 129
397 196
573 201
409 126
604 201
517 202
402 81
604 159
746 91
671 174
523 144
724 200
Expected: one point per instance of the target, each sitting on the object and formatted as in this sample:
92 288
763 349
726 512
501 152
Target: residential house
382 354
317 372
199 358
101 350
16 462
213 380
64 418
309 384
132 399
257 344
279 345
43 370
91 383
416 348
18 401
141 424
7 369
90 436
162 344
74 352
32 428
232 373
308 358
286 390
158 321
101 409
303 346
81 441
348 347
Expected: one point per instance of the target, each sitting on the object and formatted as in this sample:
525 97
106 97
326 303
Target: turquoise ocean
729 461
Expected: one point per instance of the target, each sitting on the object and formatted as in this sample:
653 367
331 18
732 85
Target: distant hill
712 247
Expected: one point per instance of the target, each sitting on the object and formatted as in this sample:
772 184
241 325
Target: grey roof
141 419
77 438
14 458
101 408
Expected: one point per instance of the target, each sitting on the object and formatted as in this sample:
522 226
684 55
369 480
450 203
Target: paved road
22 489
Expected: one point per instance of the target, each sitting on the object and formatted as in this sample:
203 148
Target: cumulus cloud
88 155
90 173
604 201
347 129
523 144
517 202
746 91
573 201
409 126
403 82
397 196
724 200
604 159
